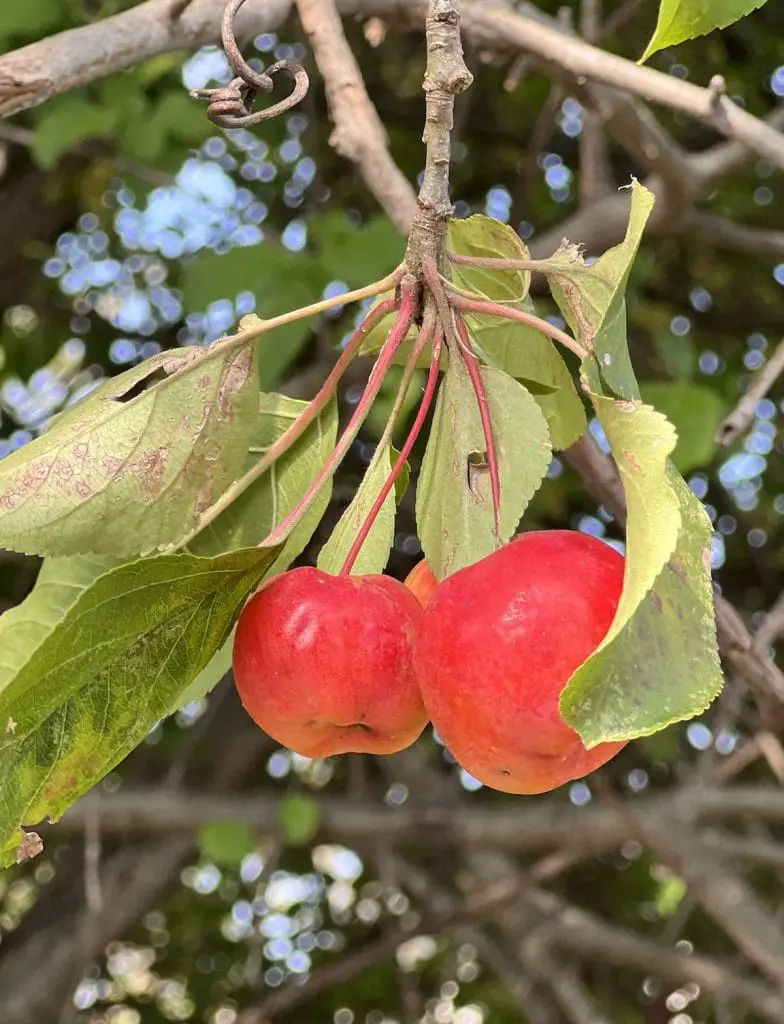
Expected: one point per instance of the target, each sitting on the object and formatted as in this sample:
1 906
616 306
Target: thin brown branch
619 18
569 992
742 416
721 893
65 61
446 76
69 59
347 966
545 824
595 172
591 939
764 852
359 134
726 234
491 25
772 626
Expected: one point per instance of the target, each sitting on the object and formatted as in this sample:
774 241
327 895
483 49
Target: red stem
482 308
425 336
328 388
475 373
395 339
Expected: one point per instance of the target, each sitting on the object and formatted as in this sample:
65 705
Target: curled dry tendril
231 106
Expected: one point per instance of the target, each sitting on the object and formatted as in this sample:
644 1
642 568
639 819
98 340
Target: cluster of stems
424 301
428 306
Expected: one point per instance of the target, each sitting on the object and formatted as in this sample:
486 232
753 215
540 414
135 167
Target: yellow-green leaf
680 20
696 411
454 508
300 818
374 553
131 468
592 300
659 662
486 237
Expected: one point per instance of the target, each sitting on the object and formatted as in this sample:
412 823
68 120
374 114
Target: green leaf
357 254
564 413
382 407
60 582
659 662
123 472
67 121
671 890
209 677
485 237
696 410
376 337
226 843
403 480
374 553
108 671
269 500
454 508
592 300
300 818
680 20
531 357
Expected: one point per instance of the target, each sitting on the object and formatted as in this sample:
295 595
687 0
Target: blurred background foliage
130 224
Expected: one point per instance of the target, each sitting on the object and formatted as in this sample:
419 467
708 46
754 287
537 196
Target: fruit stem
549 266
475 373
461 343
242 337
395 338
426 335
300 424
487 308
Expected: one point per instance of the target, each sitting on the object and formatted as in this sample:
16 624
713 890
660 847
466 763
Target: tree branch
726 234
491 24
742 416
589 938
772 626
350 964
64 61
540 825
359 134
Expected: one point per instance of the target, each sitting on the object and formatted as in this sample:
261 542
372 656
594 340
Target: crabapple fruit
324 664
498 642
421 582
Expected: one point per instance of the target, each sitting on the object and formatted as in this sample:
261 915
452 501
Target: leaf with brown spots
114 664
454 509
659 662
129 469
268 500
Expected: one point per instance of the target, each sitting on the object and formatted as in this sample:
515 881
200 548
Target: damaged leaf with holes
131 468
592 299
454 507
